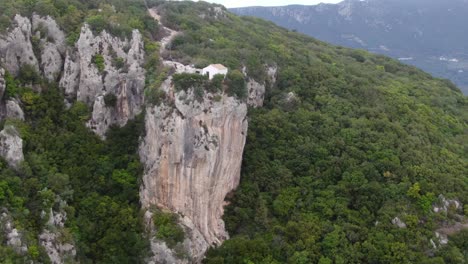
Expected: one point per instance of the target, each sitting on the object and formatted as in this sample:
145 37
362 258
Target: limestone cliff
40 43
192 148
51 41
82 79
192 155
16 49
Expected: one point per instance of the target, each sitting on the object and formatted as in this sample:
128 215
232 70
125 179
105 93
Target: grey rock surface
13 110
58 250
11 146
52 43
16 48
2 83
14 237
84 81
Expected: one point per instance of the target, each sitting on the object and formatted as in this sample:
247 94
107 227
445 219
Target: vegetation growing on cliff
324 176
366 139
71 170
233 84
118 17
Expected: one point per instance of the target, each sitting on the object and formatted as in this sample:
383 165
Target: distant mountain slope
428 34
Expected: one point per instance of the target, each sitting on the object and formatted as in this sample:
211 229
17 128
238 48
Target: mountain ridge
424 34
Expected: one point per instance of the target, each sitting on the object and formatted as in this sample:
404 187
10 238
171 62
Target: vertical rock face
13 110
11 146
256 93
2 82
2 92
82 79
52 41
192 156
257 90
16 48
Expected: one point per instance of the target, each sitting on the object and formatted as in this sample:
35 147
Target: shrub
216 84
98 23
98 61
198 92
72 38
167 228
154 96
12 86
236 84
118 62
184 81
36 45
28 74
217 98
358 56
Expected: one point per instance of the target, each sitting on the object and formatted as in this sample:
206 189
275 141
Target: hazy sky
242 3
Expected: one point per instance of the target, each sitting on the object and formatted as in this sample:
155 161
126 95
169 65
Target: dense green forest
346 141
66 166
69 168
365 139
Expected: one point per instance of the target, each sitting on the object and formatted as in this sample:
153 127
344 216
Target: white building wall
212 71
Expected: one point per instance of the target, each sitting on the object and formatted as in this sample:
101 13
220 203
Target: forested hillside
347 142
92 183
354 157
426 34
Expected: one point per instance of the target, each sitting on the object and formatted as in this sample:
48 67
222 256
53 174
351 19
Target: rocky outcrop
162 253
13 110
443 205
398 222
454 209
272 72
192 155
181 68
39 42
16 48
257 90
8 108
441 238
52 45
82 79
51 238
11 146
256 93
14 238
